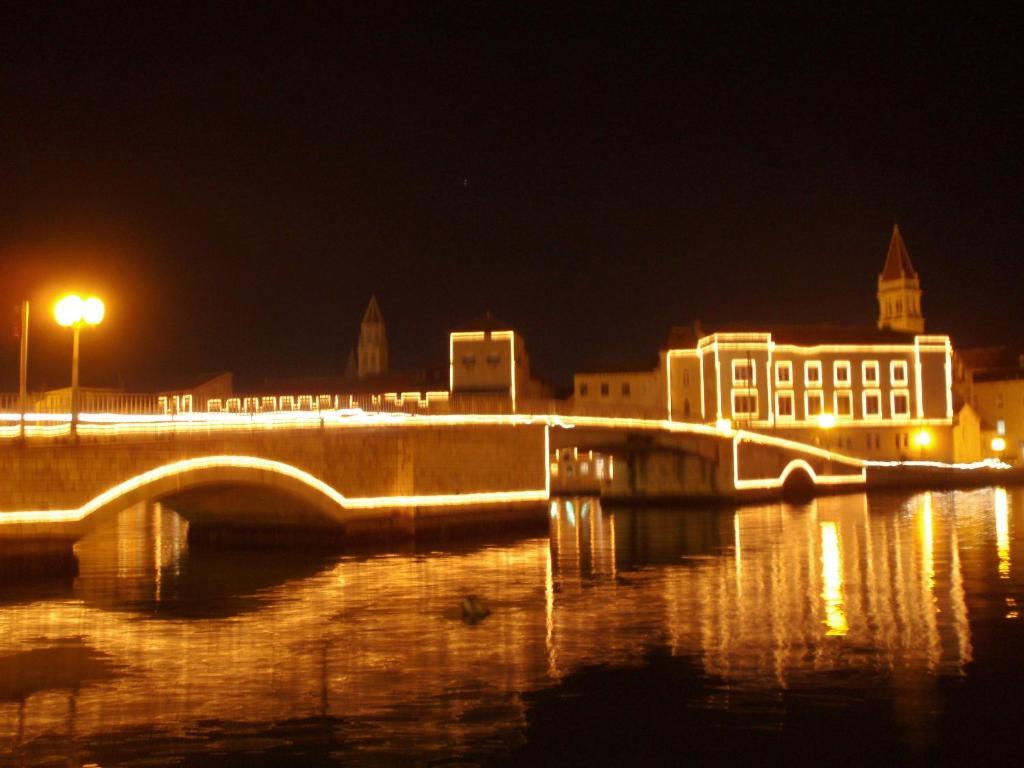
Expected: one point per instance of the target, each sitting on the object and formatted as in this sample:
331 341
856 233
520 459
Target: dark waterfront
858 628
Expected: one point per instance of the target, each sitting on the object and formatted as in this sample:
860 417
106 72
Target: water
852 630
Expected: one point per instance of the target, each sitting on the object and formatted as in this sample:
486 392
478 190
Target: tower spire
899 289
373 342
897 260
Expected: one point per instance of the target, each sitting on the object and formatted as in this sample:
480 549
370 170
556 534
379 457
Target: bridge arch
324 501
798 481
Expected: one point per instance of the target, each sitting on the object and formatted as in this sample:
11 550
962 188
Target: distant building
899 290
487 357
373 343
991 381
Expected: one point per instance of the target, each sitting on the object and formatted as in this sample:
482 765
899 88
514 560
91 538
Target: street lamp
74 312
825 422
923 440
998 445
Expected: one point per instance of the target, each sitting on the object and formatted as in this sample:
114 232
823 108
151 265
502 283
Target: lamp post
74 312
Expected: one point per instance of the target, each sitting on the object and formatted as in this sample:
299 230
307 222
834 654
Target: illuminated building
880 392
488 358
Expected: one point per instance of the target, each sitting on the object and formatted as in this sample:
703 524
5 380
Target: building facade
488 358
871 393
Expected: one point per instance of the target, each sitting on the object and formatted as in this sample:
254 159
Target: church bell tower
899 290
373 342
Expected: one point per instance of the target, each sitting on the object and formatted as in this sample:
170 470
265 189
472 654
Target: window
784 408
898 373
814 402
872 402
743 373
744 402
812 373
784 373
584 390
625 389
841 373
869 373
843 405
604 389
899 399
469 361
493 359
1000 426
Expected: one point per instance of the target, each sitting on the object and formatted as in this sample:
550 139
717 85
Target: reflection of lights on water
737 549
570 513
584 508
927 541
554 509
1002 532
832 580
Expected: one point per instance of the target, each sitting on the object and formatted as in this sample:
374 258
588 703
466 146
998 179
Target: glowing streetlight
998 444
825 422
74 312
922 439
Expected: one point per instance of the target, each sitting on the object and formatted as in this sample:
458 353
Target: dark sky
237 180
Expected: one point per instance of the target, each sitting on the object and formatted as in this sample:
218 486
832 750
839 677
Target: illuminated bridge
360 474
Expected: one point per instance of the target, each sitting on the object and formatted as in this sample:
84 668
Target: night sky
238 181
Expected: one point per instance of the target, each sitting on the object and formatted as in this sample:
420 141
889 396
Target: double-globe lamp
74 312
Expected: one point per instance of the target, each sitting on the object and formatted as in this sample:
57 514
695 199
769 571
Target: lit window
784 410
898 372
584 389
743 373
604 389
784 373
841 373
872 402
814 402
744 402
812 373
869 373
1000 426
843 405
900 402
625 389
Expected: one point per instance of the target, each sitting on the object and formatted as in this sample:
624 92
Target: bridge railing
131 404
